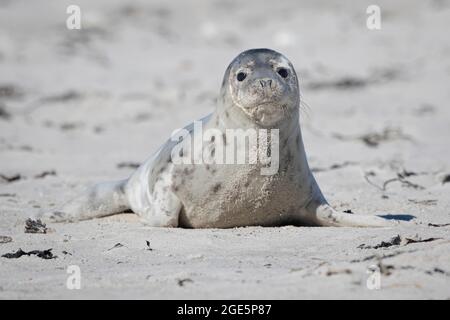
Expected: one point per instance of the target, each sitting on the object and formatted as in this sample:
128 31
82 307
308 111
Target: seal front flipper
149 190
152 199
322 214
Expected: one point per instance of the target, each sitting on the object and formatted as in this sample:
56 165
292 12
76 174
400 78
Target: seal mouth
270 107
266 108
269 113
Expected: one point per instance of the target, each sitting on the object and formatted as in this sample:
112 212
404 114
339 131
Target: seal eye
283 72
241 76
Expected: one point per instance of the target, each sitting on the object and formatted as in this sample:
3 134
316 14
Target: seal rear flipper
102 200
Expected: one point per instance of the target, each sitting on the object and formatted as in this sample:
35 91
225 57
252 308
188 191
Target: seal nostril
265 83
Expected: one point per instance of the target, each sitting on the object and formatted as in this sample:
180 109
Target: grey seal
260 91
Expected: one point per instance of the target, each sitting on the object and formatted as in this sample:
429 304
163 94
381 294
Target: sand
82 106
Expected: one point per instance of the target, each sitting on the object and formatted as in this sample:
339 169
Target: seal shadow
401 217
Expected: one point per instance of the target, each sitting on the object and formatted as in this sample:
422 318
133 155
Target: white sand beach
79 107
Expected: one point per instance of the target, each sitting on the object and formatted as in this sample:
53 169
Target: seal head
261 83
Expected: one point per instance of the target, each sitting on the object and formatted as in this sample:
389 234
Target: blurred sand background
82 106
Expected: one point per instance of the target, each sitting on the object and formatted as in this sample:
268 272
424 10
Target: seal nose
266 83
